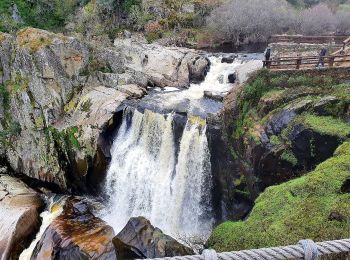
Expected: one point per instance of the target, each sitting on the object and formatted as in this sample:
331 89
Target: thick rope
305 249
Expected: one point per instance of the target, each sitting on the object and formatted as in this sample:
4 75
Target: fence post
266 63
331 61
298 63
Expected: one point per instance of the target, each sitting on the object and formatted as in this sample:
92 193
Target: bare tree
342 22
251 20
317 20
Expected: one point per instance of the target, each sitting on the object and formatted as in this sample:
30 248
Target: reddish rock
76 234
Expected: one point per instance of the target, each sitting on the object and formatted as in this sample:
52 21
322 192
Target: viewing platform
294 52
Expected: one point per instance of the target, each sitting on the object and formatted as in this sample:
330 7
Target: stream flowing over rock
137 124
19 216
162 146
60 96
76 234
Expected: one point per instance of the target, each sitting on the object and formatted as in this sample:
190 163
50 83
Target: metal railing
305 249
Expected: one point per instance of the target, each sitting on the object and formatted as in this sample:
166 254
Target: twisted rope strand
305 249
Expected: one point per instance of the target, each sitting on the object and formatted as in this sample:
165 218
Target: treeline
255 20
46 14
208 21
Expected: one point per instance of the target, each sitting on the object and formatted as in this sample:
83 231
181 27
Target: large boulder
76 234
163 66
19 212
139 239
59 96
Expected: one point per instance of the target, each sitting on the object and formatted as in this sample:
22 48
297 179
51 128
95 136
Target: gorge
105 148
168 158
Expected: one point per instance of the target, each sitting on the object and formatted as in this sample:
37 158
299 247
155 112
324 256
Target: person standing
323 53
267 57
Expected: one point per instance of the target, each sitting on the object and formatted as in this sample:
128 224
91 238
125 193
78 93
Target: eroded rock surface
19 212
163 66
76 234
139 239
60 95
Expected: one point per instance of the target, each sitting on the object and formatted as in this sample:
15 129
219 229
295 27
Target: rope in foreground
305 249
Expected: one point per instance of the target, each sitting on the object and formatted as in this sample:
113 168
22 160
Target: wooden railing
344 49
323 39
308 62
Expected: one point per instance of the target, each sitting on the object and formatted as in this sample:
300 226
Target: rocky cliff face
59 96
19 211
281 125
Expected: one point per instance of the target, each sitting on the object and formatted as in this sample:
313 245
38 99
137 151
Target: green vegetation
45 14
325 125
127 5
289 156
11 128
66 139
295 210
17 85
267 93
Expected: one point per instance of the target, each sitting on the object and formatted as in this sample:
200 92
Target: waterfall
147 178
47 216
165 180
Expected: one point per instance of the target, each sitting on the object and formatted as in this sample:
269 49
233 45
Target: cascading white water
150 177
144 178
47 216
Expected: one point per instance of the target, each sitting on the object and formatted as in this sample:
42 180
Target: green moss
72 134
275 140
17 84
39 122
66 139
289 156
33 39
11 128
43 14
153 36
294 210
325 125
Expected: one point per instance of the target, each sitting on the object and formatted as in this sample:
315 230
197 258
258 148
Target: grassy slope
300 208
294 210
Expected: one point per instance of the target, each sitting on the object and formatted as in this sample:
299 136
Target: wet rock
214 95
199 67
310 147
232 78
336 216
280 120
76 234
345 188
20 207
326 102
228 59
142 239
163 66
221 79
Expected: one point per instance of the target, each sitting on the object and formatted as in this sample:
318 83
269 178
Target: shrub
153 27
153 36
238 21
317 20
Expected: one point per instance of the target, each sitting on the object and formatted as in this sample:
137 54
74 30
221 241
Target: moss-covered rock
282 124
298 209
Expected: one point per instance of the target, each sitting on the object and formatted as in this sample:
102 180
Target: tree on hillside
250 20
317 20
